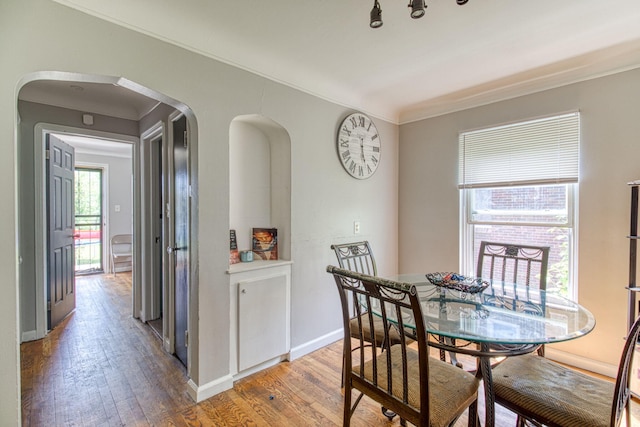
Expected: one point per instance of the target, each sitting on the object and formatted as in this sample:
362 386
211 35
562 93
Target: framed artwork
264 243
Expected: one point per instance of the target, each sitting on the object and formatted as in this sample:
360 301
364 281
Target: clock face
358 146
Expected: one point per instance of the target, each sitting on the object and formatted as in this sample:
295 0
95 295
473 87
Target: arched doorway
111 108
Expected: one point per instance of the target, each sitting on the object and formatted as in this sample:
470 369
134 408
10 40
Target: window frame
468 225
467 235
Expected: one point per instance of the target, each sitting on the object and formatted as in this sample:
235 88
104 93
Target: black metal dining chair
358 257
550 394
506 264
403 378
513 263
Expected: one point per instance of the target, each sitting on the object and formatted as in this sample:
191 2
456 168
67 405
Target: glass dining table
503 320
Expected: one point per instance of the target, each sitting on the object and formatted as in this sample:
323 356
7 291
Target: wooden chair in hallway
420 389
121 252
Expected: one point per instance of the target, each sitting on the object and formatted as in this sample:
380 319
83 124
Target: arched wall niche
260 180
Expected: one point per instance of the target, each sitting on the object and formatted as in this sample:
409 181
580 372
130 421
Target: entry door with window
61 289
88 216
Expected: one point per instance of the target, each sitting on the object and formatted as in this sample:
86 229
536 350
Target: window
518 184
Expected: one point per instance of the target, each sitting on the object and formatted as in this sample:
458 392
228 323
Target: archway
69 103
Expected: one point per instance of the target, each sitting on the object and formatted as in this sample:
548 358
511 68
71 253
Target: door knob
171 249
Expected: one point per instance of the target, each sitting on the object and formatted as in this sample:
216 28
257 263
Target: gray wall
609 158
325 200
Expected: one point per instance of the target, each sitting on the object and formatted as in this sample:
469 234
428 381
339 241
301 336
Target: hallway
101 366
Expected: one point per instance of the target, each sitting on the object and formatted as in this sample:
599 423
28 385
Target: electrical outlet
356 227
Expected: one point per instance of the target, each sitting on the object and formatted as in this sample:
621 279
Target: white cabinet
260 314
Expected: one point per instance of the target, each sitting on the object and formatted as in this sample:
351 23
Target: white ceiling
98 98
454 57
96 146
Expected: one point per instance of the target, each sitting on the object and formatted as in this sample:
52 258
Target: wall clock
358 144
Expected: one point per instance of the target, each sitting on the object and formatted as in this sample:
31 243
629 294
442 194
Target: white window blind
541 151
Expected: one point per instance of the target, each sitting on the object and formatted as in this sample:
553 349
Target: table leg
484 367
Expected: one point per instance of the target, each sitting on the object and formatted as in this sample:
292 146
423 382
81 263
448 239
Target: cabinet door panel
262 320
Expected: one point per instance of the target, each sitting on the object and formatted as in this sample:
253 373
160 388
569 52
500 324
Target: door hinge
48 305
186 338
185 139
46 154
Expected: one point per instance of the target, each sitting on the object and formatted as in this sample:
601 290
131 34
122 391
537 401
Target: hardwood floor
101 367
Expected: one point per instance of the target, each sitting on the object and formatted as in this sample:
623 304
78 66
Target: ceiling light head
417 8
376 15
461 2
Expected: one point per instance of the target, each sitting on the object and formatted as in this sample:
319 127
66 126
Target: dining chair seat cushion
452 389
551 393
378 328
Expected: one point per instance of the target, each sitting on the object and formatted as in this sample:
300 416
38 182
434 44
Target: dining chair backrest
392 301
356 256
513 263
398 377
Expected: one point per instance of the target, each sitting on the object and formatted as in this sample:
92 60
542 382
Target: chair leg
346 421
473 418
342 373
389 414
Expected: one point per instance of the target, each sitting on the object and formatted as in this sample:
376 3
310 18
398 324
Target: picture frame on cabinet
264 243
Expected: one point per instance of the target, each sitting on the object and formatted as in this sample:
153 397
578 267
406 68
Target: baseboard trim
316 344
581 362
29 336
200 393
261 367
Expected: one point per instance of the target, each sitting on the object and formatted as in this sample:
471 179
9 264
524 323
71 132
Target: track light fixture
417 11
376 15
417 8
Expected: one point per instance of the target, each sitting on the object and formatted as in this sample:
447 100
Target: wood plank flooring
101 367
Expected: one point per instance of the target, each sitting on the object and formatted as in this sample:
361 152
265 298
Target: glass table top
501 314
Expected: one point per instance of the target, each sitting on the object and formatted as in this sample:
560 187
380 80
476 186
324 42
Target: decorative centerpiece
458 282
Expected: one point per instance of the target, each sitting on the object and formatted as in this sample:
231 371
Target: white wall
38 35
609 158
250 181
